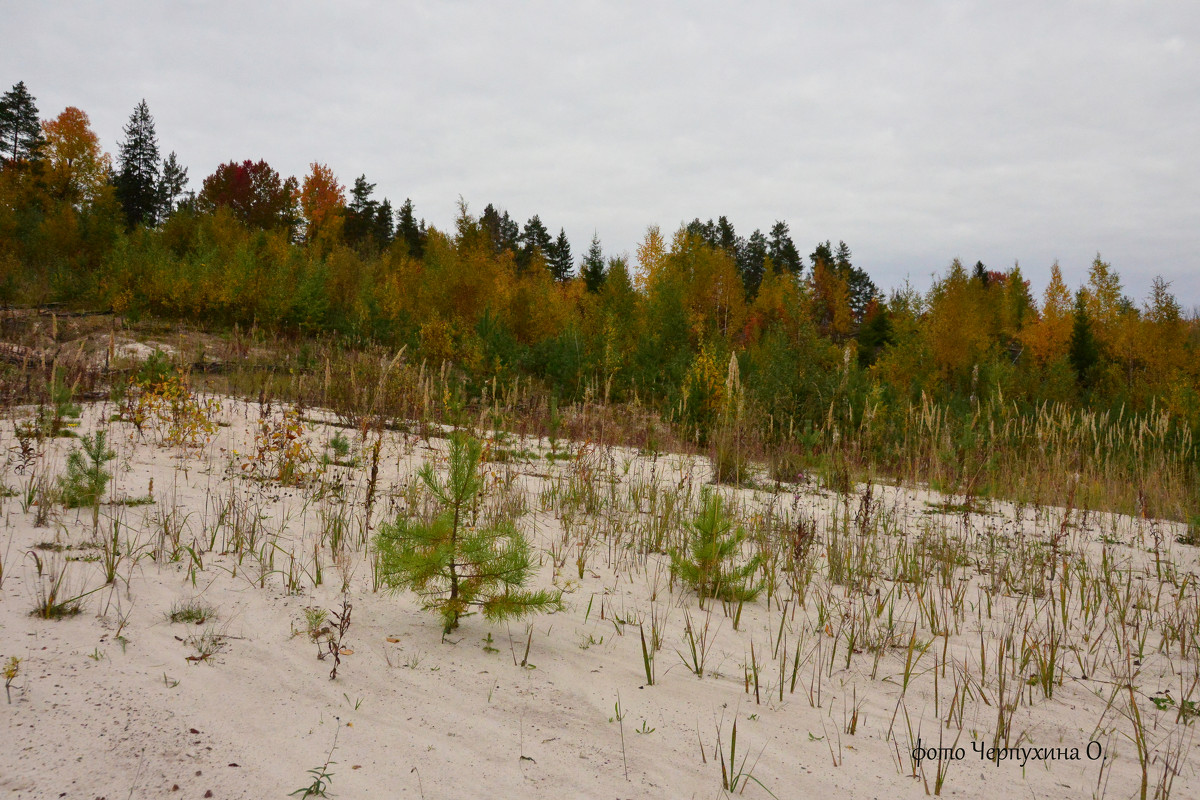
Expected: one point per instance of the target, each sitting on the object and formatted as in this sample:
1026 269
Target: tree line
812 335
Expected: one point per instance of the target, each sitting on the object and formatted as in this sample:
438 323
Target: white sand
92 716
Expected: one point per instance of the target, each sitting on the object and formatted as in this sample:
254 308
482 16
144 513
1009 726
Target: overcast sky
917 132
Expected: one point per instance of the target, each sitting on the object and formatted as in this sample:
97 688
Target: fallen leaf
346 651
392 639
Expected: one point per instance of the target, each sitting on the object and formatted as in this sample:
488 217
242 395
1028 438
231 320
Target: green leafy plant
710 561
321 776
12 668
86 478
451 562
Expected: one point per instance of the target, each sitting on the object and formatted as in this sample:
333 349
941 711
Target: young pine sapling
709 562
451 562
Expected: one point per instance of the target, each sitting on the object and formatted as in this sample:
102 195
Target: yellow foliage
704 385
651 254
78 168
281 452
171 412
322 201
1049 337
957 323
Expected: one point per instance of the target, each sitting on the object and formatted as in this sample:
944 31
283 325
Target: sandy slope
415 716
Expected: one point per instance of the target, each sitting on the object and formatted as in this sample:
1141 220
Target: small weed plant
282 453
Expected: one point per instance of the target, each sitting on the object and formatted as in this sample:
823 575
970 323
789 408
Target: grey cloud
916 132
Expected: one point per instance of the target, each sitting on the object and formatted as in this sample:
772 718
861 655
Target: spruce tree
171 185
409 231
705 231
727 238
862 289
456 562
20 129
384 229
360 224
137 176
1082 352
560 261
593 266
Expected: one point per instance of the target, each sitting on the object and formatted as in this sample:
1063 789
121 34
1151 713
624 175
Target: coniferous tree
823 252
752 262
409 231
454 564
711 561
727 239
862 289
874 334
560 261
593 266
384 229
1083 351
138 169
535 239
980 273
171 186
502 230
705 231
782 250
361 213
20 130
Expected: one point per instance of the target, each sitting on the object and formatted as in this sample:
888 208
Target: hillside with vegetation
737 344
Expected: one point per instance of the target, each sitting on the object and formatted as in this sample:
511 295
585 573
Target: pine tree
453 562
535 241
20 130
560 261
752 262
502 230
593 266
138 169
709 562
782 250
